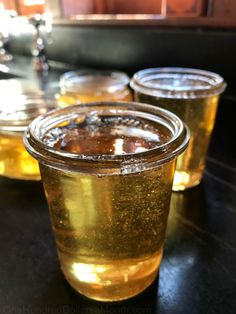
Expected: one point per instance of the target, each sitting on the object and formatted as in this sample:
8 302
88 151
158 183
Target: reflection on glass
186 208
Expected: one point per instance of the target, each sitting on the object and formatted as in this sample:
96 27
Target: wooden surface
147 20
222 8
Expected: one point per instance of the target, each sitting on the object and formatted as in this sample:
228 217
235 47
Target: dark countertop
20 70
198 272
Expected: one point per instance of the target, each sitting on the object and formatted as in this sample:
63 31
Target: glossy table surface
198 272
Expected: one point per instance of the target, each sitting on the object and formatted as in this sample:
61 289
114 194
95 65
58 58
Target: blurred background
125 35
68 8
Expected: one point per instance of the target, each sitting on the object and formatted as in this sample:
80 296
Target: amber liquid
71 98
15 162
199 115
109 228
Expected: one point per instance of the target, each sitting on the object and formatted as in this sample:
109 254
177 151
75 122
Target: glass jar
193 95
107 170
93 85
15 116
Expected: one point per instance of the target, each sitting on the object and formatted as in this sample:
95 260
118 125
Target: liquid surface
96 135
109 229
199 115
15 162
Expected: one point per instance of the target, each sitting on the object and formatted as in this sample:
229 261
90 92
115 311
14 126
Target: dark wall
133 48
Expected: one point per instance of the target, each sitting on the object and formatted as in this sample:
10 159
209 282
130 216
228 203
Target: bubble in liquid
131 166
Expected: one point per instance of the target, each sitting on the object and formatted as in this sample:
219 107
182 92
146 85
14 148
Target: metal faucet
39 50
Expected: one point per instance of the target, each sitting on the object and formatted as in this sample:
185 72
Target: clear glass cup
15 116
107 170
193 95
93 85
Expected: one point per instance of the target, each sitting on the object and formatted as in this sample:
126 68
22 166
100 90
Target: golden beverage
108 212
72 98
109 229
15 161
183 92
199 115
91 86
16 113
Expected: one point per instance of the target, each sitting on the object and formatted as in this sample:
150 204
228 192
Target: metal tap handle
39 50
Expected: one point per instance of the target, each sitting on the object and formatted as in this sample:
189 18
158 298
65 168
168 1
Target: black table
198 272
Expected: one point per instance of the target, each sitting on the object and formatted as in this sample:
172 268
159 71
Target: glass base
184 180
117 281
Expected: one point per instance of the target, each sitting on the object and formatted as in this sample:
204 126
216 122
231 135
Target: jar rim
177 82
103 163
112 80
16 117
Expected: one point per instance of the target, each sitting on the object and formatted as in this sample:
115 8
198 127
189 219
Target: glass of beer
107 170
193 95
93 85
15 116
